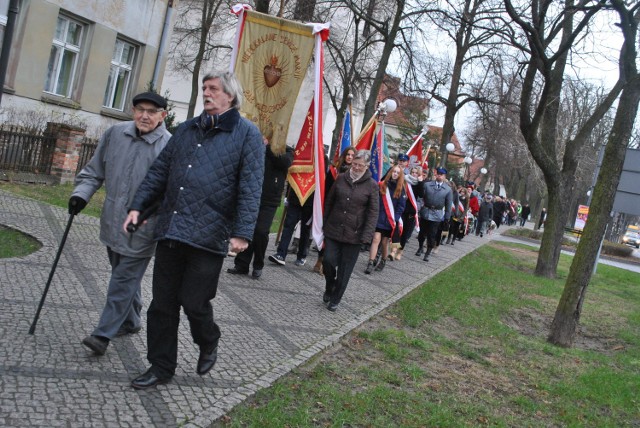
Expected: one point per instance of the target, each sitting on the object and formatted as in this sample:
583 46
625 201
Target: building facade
82 61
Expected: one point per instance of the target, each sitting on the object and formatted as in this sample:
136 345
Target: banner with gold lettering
271 61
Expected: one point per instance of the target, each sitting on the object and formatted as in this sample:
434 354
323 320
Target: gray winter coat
435 201
121 161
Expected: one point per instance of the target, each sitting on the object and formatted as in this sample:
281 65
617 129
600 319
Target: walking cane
53 269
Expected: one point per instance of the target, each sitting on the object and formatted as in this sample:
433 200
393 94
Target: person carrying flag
392 202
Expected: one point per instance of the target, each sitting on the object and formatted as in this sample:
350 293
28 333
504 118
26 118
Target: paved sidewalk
269 327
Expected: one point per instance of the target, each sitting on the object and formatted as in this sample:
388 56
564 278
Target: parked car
631 238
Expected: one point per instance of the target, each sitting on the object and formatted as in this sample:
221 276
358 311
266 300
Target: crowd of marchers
380 218
212 189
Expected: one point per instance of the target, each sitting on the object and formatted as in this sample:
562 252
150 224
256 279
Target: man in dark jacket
350 216
122 158
524 214
485 214
275 174
209 180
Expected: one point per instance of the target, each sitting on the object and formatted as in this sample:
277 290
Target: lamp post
448 148
467 161
385 107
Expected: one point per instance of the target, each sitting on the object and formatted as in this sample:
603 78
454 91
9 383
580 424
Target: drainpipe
6 43
163 42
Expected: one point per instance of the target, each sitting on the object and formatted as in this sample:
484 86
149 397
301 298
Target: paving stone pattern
269 326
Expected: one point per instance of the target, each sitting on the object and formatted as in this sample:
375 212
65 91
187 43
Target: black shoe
380 265
147 380
326 298
257 273
123 330
235 271
96 343
206 361
419 252
426 257
370 267
332 307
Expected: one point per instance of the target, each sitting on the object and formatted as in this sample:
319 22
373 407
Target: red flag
301 173
365 139
415 152
321 34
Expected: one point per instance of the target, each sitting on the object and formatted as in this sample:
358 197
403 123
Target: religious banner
271 61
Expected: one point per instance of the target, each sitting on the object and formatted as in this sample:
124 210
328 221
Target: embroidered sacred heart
272 72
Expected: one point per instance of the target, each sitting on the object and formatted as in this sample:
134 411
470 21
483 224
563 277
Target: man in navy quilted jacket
208 181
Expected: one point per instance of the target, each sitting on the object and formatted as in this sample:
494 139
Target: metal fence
26 151
86 151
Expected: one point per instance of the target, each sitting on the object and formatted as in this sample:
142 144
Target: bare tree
471 27
545 33
193 44
567 316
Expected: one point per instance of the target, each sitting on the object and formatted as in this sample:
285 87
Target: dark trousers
422 234
258 246
337 266
188 277
296 213
409 224
433 232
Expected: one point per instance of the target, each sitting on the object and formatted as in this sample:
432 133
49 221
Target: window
122 62
64 57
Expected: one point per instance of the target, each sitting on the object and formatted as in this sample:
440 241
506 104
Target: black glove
76 204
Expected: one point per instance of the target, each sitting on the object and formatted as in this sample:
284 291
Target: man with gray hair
208 181
350 216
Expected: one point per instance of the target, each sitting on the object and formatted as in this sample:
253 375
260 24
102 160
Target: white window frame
119 65
62 47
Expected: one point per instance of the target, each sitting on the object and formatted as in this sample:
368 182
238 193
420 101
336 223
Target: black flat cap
152 97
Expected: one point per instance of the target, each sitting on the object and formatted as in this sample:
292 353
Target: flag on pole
377 162
321 33
425 159
386 159
368 133
345 138
271 57
415 152
301 176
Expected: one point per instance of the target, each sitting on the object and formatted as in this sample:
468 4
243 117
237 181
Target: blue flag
376 165
345 135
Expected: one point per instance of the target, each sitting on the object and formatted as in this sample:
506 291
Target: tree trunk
567 316
389 45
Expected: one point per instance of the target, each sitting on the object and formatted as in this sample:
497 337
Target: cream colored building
82 61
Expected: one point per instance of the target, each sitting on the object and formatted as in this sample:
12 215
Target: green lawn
16 244
468 348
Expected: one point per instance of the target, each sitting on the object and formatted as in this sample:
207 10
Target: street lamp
385 107
483 171
467 161
448 148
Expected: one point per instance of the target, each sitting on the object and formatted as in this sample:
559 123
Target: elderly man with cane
121 160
